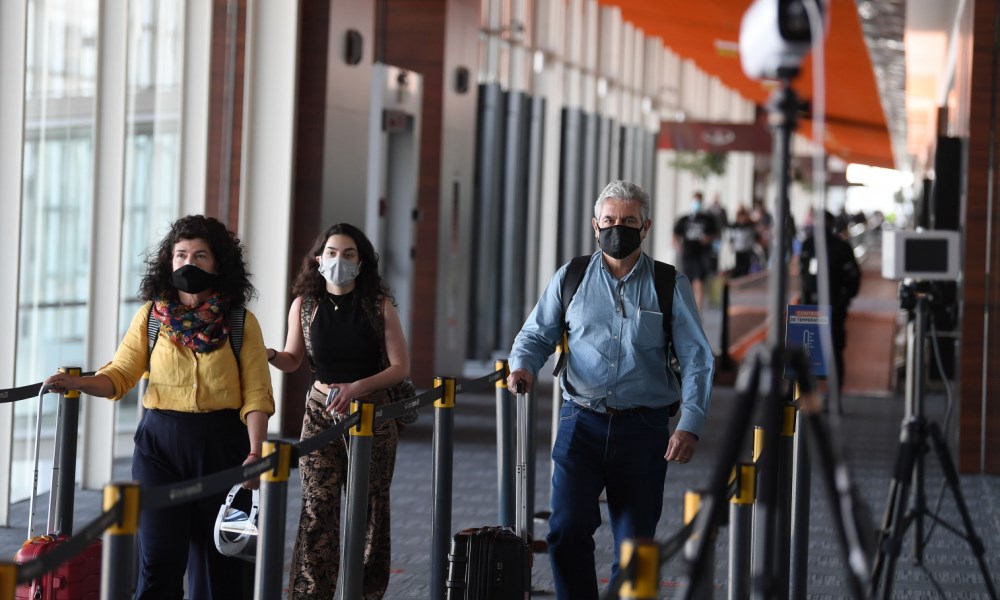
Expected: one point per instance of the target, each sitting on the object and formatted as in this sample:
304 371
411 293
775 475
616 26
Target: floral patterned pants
316 558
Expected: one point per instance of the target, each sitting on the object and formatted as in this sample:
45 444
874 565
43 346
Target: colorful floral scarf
202 328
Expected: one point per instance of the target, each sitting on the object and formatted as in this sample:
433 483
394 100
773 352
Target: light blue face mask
339 271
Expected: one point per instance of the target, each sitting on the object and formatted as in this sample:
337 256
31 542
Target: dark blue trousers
595 452
171 447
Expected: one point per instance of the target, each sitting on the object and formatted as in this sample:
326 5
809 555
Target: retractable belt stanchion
63 489
8 579
644 584
273 510
740 523
702 588
443 449
783 500
118 547
801 499
359 459
505 453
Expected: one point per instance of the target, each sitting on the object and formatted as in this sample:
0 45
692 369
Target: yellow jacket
183 380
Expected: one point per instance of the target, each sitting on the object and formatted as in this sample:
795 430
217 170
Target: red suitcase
77 579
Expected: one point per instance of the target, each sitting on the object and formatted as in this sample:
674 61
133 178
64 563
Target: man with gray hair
618 391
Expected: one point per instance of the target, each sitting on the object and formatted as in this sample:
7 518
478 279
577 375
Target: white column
97 451
13 34
194 112
550 36
272 43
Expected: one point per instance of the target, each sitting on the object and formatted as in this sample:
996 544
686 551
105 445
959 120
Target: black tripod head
939 296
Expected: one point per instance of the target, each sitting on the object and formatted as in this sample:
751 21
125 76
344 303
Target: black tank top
344 344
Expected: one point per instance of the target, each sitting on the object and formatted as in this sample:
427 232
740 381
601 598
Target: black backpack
237 315
664 278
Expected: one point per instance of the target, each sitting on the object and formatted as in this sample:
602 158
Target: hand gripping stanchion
644 583
273 509
444 453
740 528
118 547
359 462
702 588
801 500
505 452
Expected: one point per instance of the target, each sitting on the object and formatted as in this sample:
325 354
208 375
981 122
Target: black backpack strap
571 281
152 333
237 316
664 278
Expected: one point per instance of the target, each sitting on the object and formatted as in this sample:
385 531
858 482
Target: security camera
774 36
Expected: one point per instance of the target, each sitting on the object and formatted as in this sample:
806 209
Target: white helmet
235 530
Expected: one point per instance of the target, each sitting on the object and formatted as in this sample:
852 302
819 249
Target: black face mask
619 241
192 279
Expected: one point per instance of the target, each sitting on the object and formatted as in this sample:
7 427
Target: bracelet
253 454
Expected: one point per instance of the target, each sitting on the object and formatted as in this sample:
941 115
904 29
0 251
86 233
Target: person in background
206 408
694 235
845 281
743 236
618 393
344 320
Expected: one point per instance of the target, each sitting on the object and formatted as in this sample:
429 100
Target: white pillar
13 32
98 415
272 42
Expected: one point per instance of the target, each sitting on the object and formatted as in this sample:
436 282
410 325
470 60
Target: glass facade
61 84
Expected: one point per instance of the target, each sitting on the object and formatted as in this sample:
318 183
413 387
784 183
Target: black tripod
909 469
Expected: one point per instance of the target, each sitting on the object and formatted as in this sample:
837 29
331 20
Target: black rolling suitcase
494 563
489 563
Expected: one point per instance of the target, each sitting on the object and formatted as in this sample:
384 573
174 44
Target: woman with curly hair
344 320
206 407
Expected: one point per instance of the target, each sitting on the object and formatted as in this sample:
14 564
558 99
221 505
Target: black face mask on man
618 241
192 279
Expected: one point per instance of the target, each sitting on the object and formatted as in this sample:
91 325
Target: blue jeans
622 454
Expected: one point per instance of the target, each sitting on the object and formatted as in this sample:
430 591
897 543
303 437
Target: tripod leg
896 520
951 476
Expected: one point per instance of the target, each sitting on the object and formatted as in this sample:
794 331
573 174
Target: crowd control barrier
118 523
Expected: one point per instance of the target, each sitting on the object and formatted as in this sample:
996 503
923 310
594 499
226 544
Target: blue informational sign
802 330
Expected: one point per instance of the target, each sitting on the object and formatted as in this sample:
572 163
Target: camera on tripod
926 263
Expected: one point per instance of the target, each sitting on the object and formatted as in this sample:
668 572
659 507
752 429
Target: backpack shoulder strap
306 310
237 316
571 281
574 275
664 278
152 333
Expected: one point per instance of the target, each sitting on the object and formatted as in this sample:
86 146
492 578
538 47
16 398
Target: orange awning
855 128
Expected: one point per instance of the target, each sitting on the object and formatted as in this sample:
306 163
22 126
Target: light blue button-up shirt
617 350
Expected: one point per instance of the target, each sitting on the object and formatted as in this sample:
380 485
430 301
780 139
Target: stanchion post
740 528
273 509
801 499
118 559
505 453
61 495
443 448
8 579
644 585
783 502
700 590
359 459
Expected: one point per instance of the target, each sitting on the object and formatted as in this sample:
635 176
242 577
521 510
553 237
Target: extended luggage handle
34 478
521 486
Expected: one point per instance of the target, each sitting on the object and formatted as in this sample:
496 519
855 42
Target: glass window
152 167
57 209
